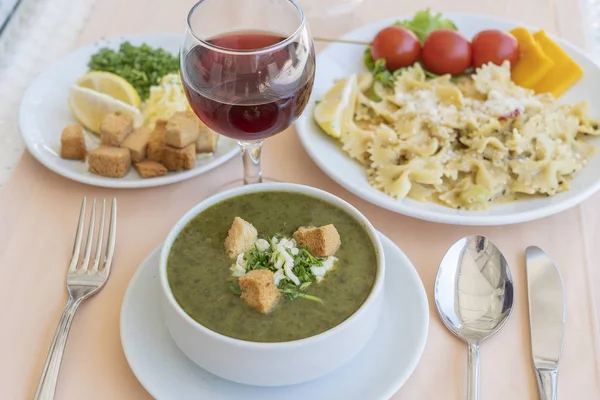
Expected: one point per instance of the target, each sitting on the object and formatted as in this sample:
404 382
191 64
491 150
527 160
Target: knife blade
546 295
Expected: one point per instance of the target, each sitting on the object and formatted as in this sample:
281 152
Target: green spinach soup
323 291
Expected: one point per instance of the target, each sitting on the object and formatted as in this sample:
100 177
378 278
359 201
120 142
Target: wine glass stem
251 158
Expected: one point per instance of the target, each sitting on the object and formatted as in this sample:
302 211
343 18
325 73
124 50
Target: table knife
546 295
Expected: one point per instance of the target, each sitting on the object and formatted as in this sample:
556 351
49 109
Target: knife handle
547 383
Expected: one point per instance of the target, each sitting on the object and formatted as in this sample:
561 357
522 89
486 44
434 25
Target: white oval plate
340 60
44 112
376 373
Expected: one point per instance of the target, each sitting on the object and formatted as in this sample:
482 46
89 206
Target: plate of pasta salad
457 118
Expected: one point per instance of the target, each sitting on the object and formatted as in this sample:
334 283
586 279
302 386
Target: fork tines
102 260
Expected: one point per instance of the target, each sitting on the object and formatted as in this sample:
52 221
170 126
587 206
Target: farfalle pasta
468 142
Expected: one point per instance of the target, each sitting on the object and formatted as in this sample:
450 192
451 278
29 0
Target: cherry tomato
446 52
494 46
398 46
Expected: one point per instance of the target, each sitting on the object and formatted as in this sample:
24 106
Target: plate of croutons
90 118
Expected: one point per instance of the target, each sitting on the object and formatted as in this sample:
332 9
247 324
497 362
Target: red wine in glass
245 95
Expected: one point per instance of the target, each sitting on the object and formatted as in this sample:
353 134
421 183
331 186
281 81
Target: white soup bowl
279 363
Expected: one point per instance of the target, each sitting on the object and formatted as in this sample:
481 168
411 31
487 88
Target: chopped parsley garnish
235 288
278 257
291 292
142 66
256 259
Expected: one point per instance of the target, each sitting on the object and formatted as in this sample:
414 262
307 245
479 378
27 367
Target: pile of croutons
171 146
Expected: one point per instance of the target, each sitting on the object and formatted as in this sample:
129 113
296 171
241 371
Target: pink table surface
38 210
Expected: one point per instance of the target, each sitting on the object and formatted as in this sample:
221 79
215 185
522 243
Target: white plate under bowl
45 111
378 371
338 61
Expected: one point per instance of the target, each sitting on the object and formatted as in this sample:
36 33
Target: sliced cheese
565 72
533 64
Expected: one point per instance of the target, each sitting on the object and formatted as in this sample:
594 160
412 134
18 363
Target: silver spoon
474 297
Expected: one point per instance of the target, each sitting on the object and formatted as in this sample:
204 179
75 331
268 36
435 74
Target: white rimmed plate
44 112
340 60
378 371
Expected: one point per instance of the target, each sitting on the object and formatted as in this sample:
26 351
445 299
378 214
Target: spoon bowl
474 296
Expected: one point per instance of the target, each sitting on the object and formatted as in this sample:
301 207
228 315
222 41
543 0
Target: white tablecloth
40 32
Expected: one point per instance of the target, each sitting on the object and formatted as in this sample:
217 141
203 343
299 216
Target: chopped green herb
257 259
294 293
303 261
235 288
317 102
311 298
142 66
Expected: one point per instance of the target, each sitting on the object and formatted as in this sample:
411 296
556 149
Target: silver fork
83 281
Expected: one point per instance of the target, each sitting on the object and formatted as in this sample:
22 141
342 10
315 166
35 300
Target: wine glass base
240 182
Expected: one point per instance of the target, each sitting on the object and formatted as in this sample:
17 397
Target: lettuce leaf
381 73
379 70
424 22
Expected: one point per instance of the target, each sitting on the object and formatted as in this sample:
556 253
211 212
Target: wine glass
248 69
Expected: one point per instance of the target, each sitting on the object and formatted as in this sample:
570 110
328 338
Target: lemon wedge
111 85
337 107
90 107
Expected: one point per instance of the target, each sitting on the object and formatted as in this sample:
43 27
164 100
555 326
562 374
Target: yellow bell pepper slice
533 64
565 72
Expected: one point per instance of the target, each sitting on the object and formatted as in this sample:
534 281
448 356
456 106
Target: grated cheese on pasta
467 143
